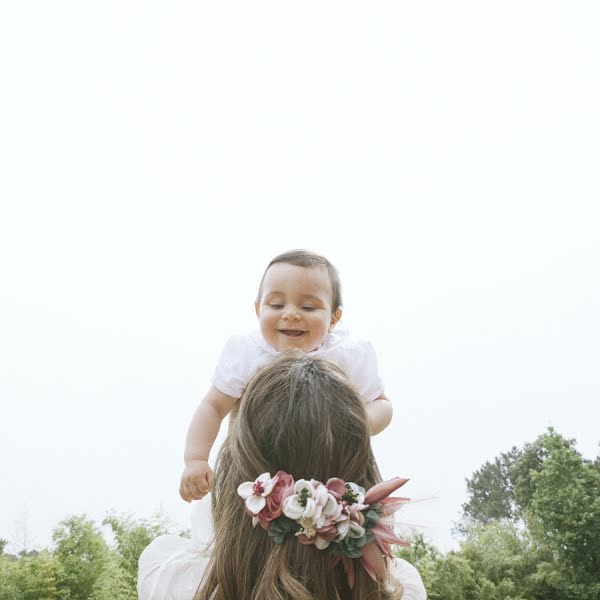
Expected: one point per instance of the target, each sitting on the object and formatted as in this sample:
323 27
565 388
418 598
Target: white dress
171 567
244 355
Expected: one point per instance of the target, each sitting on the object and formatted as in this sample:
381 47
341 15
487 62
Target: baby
298 305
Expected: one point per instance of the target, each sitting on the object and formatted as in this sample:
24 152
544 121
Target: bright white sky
154 156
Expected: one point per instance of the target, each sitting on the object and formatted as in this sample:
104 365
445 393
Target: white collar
333 339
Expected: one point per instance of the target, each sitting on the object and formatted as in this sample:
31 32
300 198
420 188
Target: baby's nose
291 312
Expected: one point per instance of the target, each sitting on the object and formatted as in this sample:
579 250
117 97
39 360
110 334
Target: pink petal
382 490
384 547
395 499
392 504
328 533
386 534
372 560
336 485
275 479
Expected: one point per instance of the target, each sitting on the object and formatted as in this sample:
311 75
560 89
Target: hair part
308 259
302 415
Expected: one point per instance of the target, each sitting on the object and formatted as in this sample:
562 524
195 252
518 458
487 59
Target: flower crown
338 516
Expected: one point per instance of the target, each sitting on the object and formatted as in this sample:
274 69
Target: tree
114 582
39 575
532 523
531 460
490 491
564 509
132 536
8 586
83 554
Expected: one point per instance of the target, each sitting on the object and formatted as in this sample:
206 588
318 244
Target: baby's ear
335 317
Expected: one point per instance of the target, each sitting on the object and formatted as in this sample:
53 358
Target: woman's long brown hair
299 414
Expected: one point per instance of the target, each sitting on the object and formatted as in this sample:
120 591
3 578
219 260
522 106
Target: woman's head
299 300
300 414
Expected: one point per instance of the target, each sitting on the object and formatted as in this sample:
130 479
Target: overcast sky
154 157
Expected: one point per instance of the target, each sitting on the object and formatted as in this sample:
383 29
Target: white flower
332 509
343 527
321 492
331 512
254 492
357 491
308 528
301 504
302 484
295 508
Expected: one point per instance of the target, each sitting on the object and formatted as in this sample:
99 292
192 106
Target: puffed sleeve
231 374
360 363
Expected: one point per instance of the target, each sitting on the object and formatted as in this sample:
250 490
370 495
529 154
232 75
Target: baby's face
295 309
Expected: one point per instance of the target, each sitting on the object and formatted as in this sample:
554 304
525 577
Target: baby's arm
379 414
197 476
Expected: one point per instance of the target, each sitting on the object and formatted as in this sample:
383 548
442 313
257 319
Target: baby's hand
196 480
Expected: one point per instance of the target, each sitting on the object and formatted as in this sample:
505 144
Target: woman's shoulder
171 567
408 576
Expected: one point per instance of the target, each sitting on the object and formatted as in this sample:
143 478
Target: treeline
530 530
81 565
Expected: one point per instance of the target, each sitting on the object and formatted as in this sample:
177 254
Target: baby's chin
285 342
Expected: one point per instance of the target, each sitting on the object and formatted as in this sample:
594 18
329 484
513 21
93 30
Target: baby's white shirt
244 355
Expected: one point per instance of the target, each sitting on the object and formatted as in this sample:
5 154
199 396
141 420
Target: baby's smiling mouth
292 332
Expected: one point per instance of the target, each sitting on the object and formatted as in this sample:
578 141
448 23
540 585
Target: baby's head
299 301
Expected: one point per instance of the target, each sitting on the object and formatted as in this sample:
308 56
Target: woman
299 415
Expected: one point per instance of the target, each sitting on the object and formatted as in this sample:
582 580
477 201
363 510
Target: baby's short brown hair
306 258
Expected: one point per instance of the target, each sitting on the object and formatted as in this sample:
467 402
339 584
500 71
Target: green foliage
424 556
37 576
83 553
532 522
82 565
490 491
9 589
282 527
531 459
530 531
131 538
455 579
114 582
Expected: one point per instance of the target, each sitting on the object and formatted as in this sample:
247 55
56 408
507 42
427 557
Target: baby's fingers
210 480
184 492
199 490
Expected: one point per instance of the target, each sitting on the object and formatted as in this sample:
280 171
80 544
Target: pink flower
284 487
